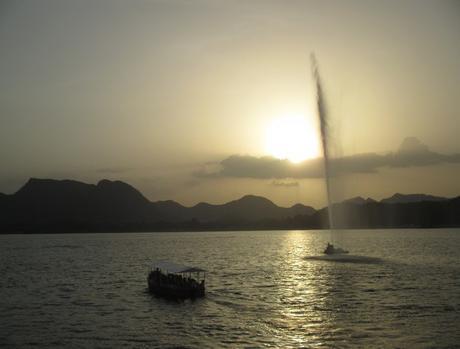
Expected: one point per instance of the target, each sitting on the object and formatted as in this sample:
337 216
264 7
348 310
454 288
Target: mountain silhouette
407 198
248 208
47 205
358 200
414 214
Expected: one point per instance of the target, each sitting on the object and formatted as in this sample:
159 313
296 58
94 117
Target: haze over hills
46 205
402 198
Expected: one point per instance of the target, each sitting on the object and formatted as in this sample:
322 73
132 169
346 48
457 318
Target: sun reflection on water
303 294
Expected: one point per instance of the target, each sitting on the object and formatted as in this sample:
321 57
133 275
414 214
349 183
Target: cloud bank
411 153
284 184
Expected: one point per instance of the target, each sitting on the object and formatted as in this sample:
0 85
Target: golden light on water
293 137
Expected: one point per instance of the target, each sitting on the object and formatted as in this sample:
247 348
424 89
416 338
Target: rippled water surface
90 290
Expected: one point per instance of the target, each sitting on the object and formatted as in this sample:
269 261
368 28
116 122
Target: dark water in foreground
90 291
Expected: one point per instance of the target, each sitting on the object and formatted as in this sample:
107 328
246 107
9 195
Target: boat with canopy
177 281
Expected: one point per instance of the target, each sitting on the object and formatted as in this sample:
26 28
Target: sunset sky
195 100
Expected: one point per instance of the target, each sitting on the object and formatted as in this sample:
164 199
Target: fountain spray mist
324 127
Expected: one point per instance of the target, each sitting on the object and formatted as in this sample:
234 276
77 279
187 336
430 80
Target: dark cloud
285 184
412 152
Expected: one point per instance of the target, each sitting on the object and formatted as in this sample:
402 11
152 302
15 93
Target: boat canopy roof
175 268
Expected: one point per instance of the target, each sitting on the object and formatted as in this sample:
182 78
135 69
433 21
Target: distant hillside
46 205
407 198
51 204
416 214
358 200
248 208
66 205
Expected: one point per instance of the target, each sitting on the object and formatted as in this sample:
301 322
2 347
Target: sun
292 137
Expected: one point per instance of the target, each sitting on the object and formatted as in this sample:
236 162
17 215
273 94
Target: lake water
90 290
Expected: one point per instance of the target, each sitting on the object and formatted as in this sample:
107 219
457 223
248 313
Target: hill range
46 205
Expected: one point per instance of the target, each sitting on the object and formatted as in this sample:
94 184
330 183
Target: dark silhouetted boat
176 281
331 249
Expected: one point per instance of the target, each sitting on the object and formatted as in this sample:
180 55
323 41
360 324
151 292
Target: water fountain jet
331 253
324 128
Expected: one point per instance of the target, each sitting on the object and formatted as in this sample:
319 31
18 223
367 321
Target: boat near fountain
331 249
337 254
176 281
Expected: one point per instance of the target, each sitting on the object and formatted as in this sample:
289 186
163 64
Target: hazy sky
175 97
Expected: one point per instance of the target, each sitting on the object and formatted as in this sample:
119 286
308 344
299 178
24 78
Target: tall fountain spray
324 128
323 123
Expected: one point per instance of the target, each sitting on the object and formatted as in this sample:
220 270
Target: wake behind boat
345 258
337 254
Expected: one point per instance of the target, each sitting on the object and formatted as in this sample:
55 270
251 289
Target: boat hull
174 291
